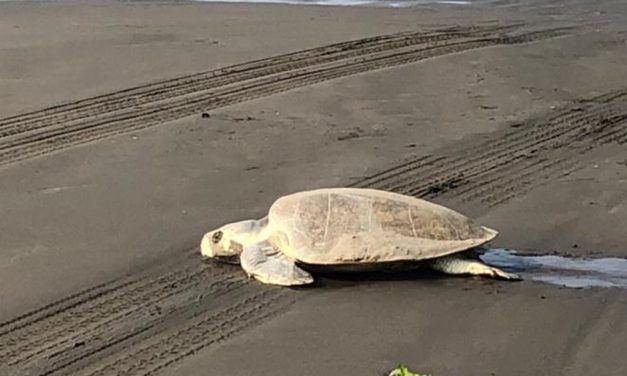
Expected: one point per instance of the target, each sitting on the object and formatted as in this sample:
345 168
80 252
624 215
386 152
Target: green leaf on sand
401 370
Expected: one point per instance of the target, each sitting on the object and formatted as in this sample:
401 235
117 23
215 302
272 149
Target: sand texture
514 114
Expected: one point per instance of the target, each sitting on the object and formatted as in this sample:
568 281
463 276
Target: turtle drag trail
143 323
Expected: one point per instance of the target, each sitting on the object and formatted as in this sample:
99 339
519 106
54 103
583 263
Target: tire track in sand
69 332
161 90
493 170
33 140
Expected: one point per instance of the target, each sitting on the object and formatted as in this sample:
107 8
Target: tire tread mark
19 339
472 153
494 177
541 143
496 169
205 331
58 306
49 310
213 82
564 165
58 338
511 145
253 68
53 140
189 104
72 357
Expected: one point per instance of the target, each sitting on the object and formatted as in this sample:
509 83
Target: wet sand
503 133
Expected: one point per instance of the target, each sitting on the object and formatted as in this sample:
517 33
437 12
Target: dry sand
502 130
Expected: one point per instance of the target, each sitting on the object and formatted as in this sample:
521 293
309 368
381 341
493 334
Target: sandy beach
514 113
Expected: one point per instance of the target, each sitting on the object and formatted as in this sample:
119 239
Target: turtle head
227 242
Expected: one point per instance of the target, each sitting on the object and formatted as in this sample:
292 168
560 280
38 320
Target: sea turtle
350 229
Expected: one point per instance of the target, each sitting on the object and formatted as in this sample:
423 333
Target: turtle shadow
338 278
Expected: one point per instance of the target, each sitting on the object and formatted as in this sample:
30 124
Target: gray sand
128 204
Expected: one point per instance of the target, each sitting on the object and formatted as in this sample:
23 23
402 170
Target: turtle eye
216 237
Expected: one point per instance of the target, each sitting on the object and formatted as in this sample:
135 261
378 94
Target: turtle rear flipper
456 264
267 264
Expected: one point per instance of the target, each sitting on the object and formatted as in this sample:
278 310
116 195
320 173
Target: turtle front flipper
456 264
268 264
